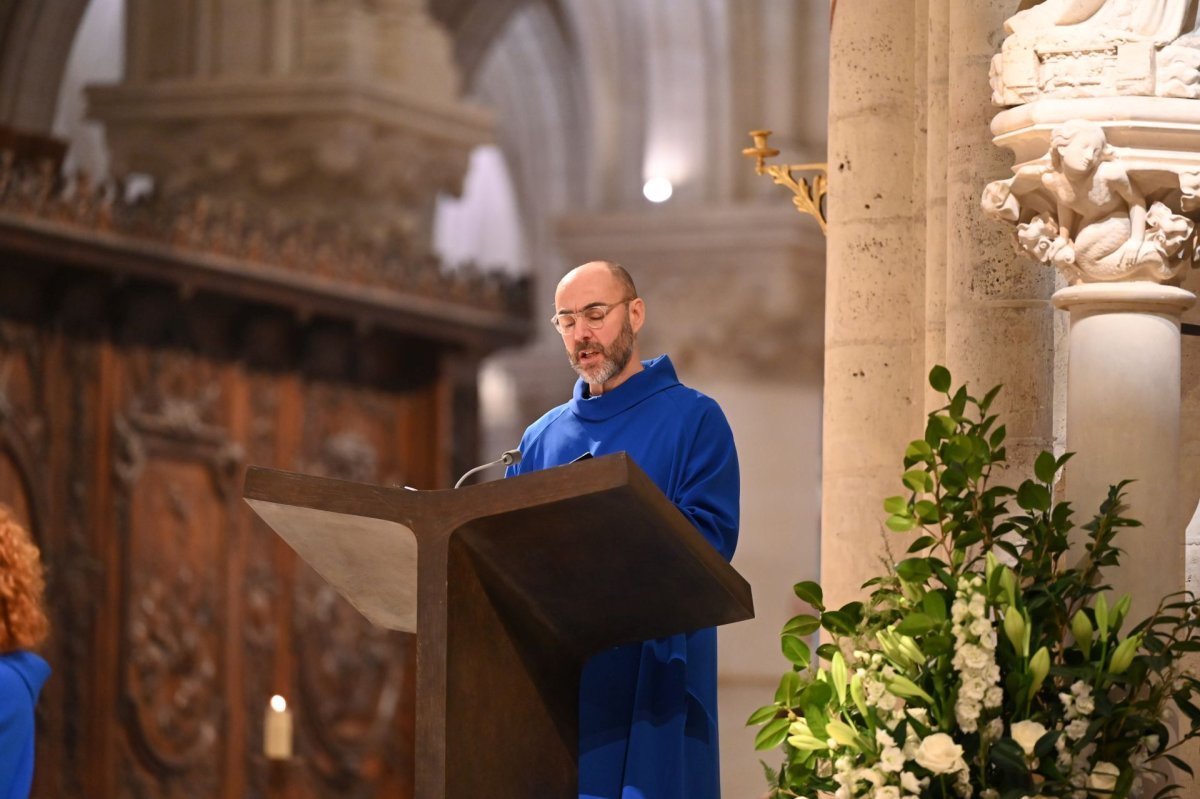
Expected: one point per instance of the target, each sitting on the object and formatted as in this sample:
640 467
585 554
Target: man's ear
637 314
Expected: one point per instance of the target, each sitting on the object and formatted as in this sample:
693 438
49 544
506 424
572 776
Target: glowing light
658 190
278 703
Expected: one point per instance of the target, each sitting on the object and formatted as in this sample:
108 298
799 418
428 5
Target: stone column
875 288
1106 137
1123 409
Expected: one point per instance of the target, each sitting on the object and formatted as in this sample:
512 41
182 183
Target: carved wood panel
176 613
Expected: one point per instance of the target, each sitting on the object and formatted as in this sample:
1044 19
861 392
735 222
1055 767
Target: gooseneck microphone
508 459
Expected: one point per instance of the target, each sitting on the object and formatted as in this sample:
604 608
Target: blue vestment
22 675
648 711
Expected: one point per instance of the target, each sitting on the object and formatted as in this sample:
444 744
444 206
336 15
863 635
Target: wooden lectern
510 586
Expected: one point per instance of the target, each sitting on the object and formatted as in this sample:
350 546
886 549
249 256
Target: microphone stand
508 459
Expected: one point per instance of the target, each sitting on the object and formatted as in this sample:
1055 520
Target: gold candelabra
808 199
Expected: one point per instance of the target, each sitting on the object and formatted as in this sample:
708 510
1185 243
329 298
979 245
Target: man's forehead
586 287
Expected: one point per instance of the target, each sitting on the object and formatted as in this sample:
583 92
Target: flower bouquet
990 662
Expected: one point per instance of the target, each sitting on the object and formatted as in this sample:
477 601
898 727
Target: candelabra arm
808 198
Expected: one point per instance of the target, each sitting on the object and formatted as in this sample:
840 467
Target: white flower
1027 734
887 792
883 739
981 629
891 759
1076 729
1103 778
974 657
911 783
973 688
940 754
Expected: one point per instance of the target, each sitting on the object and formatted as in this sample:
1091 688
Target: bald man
647 711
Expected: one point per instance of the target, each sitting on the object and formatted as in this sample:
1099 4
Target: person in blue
647 711
23 626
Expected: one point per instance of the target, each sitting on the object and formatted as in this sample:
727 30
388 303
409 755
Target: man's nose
581 332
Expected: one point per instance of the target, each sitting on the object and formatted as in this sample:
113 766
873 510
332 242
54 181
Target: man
647 711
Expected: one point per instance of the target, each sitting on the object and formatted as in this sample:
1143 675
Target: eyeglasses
593 316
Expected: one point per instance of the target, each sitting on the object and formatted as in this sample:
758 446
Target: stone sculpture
1098 48
1081 210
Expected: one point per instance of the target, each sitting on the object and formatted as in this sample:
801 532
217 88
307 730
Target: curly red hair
23 622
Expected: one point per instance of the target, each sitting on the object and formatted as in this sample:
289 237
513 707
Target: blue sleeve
710 493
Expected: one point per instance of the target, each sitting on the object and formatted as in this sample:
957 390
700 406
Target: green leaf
924 542
901 524
914 570
802 625
934 605
796 650
939 378
915 624
1044 467
1180 764
918 450
918 480
896 505
1008 757
968 539
772 735
837 622
838 672
1101 611
817 694
810 592
789 686
926 511
986 402
764 713
958 403
997 436
1032 496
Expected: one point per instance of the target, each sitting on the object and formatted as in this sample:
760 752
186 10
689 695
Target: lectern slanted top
509 586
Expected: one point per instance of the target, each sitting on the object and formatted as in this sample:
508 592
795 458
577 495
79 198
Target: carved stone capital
1101 191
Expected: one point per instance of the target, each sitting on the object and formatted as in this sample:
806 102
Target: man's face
597 355
597 363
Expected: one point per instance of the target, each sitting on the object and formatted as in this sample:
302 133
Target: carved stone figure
1080 210
1161 20
1097 48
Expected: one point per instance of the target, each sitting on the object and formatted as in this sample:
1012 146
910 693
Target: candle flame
278 703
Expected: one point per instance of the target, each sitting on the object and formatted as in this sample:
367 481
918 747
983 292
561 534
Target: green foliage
988 595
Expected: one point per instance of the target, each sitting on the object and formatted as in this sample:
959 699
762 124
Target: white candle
277 730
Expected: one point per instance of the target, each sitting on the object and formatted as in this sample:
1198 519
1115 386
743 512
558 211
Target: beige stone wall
916 274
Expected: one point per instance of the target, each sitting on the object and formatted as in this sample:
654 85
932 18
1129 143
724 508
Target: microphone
508 459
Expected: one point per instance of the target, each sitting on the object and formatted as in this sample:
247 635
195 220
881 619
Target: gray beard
615 359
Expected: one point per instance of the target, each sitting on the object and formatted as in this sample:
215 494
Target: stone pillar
875 290
917 275
1106 138
1123 408
998 318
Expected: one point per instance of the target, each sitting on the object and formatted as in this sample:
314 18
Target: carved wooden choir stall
149 351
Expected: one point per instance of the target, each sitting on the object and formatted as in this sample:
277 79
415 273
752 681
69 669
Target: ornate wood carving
132 395
176 473
351 674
